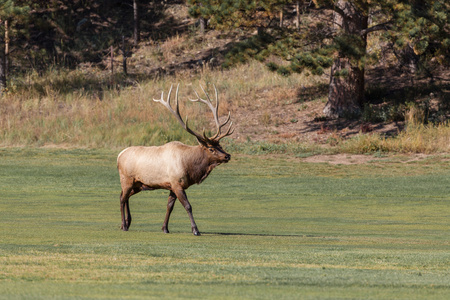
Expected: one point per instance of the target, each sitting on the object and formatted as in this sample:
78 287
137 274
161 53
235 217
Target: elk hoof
165 230
197 233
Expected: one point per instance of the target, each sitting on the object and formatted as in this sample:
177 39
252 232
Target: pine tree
339 42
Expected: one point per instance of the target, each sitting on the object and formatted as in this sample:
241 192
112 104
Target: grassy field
273 228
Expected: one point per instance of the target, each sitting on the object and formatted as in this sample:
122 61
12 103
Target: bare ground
352 159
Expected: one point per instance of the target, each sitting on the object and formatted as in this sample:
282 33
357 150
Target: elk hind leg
170 203
125 208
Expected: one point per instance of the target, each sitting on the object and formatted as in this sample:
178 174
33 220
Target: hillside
292 112
73 106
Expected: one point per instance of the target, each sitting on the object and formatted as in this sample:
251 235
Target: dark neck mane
199 166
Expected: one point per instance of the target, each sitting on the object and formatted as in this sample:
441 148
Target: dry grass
417 138
80 109
88 108
81 120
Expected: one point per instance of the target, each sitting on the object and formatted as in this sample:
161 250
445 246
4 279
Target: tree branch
382 26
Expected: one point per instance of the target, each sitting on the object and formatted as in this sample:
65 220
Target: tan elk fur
173 165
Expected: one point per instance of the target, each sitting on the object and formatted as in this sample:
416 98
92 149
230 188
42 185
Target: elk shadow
260 234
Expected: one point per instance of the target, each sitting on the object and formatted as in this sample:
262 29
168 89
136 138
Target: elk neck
198 165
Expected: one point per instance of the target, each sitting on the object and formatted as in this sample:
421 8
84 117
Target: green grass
272 228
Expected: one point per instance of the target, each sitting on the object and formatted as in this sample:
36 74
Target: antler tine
176 112
218 135
209 103
166 103
219 129
214 110
230 131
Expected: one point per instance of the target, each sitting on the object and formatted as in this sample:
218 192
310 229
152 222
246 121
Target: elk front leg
170 203
181 195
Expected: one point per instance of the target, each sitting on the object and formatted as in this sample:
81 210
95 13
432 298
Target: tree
9 11
346 90
136 23
338 39
421 29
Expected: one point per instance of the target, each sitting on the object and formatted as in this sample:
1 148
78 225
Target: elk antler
218 136
176 113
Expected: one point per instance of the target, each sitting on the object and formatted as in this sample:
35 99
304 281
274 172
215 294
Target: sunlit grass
271 227
416 138
81 109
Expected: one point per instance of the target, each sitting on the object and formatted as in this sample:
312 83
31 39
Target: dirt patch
301 122
340 159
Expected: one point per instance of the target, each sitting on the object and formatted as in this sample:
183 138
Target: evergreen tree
422 26
338 42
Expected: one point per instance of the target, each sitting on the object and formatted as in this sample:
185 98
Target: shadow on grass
259 234
311 93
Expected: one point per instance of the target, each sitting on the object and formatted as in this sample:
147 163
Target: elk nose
228 157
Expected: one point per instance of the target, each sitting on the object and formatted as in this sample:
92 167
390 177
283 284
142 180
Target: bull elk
173 166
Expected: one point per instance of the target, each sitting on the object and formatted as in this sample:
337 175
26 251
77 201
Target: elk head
211 145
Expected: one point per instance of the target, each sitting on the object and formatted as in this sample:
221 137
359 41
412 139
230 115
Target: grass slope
272 228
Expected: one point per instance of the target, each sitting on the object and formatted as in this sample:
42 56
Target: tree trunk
6 48
136 31
346 91
281 17
2 66
124 56
202 23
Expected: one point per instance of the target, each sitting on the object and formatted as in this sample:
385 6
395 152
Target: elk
173 166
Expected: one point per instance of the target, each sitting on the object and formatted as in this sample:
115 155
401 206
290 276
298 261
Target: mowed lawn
272 228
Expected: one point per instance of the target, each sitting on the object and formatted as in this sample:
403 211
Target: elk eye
211 150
